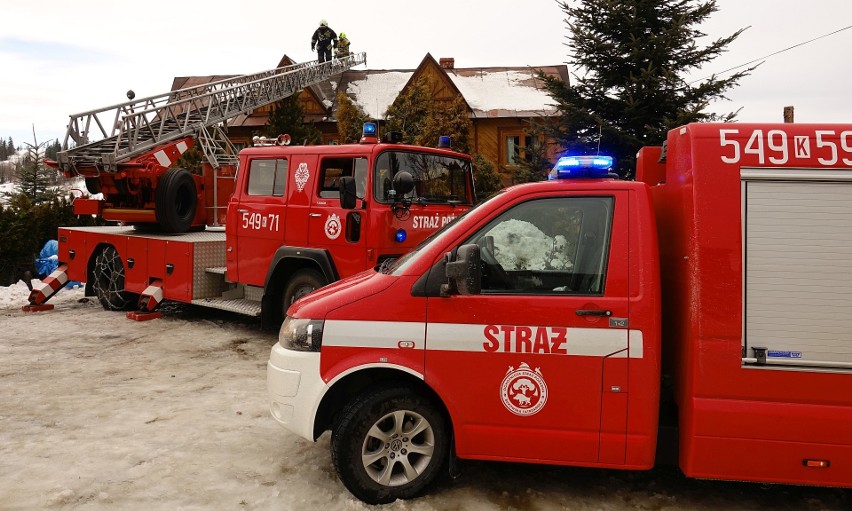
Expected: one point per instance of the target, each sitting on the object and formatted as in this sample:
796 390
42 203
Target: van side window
547 246
332 169
267 177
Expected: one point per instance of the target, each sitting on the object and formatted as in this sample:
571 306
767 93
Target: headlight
301 334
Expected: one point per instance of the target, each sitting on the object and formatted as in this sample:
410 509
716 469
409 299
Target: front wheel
300 284
389 444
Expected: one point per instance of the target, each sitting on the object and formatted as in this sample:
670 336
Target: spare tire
176 201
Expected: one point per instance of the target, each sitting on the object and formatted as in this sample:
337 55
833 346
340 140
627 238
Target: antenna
600 135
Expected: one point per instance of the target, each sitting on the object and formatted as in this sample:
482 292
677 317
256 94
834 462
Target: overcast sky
64 57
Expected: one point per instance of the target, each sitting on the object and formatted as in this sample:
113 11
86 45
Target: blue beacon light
400 235
585 166
370 129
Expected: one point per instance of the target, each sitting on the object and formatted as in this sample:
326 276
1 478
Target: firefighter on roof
323 40
342 46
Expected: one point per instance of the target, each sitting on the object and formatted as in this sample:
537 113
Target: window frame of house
525 139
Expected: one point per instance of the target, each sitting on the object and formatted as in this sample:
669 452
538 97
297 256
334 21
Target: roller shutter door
797 245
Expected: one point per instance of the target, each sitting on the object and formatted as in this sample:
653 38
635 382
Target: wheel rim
302 291
398 448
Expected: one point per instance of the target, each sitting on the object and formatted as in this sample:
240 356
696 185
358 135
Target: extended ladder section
104 138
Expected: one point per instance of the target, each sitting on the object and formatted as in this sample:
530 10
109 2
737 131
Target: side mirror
403 183
348 194
463 273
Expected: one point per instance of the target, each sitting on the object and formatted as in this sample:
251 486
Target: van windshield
437 178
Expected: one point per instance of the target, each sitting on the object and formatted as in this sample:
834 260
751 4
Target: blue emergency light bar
370 129
586 166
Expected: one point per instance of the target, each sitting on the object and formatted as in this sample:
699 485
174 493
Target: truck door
342 232
521 365
261 218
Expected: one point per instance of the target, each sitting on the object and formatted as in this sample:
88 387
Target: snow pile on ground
15 296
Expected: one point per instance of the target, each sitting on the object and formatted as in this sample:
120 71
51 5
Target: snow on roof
376 91
489 92
505 90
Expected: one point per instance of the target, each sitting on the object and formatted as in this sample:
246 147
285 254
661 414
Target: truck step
218 270
239 305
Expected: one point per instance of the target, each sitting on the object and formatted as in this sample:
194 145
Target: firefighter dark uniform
342 46
324 38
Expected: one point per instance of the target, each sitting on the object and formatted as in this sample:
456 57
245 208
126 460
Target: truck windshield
399 265
437 178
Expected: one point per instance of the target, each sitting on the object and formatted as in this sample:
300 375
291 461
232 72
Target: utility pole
788 114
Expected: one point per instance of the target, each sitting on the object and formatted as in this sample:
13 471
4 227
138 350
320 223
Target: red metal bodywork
676 271
297 220
737 422
585 423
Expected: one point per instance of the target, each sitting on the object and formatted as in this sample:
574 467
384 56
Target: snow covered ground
98 412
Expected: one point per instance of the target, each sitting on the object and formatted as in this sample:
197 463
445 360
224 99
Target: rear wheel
389 444
108 281
176 200
300 284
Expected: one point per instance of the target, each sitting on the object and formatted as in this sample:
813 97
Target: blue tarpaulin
48 260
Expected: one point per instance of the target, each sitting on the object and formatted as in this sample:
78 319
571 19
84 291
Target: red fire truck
299 218
588 320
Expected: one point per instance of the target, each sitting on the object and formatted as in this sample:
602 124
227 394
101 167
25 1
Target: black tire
300 284
381 467
93 185
108 281
176 200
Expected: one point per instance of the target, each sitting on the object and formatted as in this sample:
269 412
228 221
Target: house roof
489 91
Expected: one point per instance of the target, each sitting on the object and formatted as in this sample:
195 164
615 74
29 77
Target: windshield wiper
386 265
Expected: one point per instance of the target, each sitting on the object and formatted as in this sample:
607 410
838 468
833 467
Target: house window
515 146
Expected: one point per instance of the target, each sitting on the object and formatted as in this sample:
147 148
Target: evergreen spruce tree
486 177
633 57
534 164
350 119
287 117
447 118
52 149
35 179
410 111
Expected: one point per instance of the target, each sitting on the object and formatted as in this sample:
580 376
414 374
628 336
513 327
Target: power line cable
772 54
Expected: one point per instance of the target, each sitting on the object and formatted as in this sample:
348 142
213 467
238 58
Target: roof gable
440 85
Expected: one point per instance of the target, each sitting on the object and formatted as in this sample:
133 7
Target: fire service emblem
302 176
523 390
333 226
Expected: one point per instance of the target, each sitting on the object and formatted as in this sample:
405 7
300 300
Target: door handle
591 312
242 211
316 215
